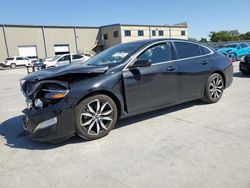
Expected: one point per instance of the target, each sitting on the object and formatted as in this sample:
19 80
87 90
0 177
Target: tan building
46 41
122 33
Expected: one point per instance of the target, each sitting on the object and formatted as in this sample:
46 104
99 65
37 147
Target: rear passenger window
185 49
204 50
158 53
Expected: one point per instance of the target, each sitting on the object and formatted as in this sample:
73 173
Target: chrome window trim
163 41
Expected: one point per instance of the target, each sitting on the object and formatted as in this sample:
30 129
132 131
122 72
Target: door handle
204 62
170 68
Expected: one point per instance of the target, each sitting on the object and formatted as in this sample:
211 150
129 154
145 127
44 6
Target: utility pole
170 32
150 34
76 40
5 41
44 42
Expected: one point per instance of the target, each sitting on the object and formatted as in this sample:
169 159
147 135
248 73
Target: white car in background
66 59
15 61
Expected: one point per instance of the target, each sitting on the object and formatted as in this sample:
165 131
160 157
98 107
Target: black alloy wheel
96 116
214 88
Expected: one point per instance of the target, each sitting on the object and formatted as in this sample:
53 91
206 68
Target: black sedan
128 79
245 65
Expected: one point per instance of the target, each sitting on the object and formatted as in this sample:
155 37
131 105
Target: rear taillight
230 60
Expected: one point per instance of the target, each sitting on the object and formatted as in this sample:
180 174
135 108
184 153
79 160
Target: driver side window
65 58
157 53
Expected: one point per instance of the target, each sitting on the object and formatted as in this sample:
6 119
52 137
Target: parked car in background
235 50
15 61
128 79
66 59
1 64
245 65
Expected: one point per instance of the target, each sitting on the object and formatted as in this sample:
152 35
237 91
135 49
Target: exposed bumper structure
228 76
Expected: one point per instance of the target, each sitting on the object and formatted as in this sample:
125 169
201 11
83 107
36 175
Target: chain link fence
219 44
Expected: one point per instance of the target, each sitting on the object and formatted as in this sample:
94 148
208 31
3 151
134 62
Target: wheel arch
222 75
110 94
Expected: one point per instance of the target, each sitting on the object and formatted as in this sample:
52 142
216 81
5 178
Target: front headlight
50 94
54 94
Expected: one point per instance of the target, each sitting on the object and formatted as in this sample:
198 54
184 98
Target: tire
213 89
93 121
245 73
12 65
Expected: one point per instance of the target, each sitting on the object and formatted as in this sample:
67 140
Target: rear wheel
214 88
95 117
13 65
245 73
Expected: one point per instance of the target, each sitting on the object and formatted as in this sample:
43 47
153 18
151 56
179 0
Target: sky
203 16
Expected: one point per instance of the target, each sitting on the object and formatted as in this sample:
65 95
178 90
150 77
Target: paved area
189 145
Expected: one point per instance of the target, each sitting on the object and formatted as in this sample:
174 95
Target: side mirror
141 63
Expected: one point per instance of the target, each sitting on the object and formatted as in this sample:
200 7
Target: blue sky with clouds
202 16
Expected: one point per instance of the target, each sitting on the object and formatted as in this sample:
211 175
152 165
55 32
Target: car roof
69 54
149 41
232 44
14 56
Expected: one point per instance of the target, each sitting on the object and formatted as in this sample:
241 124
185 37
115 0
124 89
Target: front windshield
230 46
114 55
55 58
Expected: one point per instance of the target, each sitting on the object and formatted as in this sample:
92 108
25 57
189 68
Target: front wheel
214 88
13 65
95 117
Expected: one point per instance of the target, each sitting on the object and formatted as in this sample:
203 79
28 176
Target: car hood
64 70
226 50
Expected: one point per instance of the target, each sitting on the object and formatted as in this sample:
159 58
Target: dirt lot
189 145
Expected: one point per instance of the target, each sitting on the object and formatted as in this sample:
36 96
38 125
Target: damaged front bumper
47 122
50 124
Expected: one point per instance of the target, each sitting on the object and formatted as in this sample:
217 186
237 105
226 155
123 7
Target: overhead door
61 49
27 51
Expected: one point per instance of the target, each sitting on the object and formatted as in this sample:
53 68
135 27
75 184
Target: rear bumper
55 131
244 67
228 72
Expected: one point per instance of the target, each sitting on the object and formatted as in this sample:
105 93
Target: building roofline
111 25
180 25
47 26
144 25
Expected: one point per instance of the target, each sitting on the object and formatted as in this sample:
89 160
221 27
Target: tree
192 39
203 40
220 36
245 36
234 35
